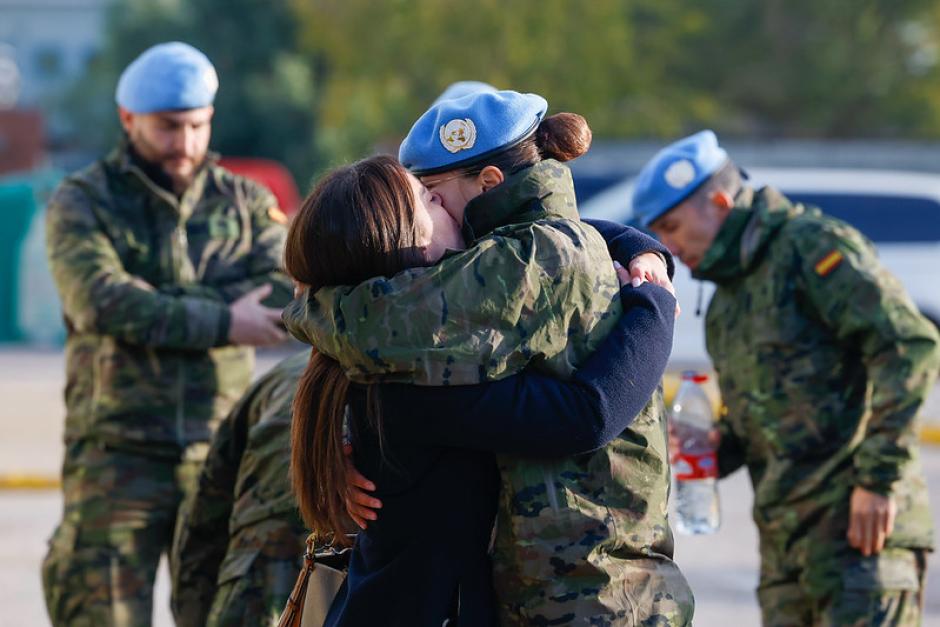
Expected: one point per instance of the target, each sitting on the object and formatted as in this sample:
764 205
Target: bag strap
293 611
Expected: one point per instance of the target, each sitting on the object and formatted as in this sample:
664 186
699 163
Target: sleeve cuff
884 488
225 325
207 323
878 482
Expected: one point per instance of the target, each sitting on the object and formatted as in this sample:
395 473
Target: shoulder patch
276 215
828 263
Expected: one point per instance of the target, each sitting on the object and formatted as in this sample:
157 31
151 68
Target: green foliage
837 68
316 82
634 68
386 62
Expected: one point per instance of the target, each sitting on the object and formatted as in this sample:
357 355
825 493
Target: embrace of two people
489 362
482 395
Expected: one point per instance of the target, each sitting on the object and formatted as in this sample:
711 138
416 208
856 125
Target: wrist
651 251
881 488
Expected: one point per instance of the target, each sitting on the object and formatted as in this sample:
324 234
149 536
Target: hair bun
563 136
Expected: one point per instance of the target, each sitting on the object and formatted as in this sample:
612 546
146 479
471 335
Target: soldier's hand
253 323
359 505
871 520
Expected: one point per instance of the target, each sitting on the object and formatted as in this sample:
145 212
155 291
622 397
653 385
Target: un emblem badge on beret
458 135
680 174
210 79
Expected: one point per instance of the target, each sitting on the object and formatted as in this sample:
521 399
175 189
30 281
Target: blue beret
167 77
459 132
674 173
461 89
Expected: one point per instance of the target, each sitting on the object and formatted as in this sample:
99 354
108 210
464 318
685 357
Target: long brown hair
357 223
563 137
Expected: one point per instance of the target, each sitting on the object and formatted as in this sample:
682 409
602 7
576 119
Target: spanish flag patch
828 263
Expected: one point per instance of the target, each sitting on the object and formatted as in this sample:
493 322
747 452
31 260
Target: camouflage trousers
256 596
881 590
638 593
119 517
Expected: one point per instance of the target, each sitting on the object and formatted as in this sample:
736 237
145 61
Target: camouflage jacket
145 280
823 362
243 506
537 287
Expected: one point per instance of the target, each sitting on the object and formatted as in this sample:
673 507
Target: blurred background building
51 42
45 47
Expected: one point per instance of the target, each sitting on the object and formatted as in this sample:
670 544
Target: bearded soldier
161 258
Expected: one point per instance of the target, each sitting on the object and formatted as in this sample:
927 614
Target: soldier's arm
868 311
478 315
202 532
266 258
535 414
100 296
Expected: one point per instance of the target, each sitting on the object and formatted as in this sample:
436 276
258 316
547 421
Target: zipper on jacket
178 242
180 253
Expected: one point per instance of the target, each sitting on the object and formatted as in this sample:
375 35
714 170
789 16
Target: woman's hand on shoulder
650 267
646 267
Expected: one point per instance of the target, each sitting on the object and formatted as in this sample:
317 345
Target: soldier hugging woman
515 380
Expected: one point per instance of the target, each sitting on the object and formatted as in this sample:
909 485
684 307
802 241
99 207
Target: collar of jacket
123 160
756 217
539 191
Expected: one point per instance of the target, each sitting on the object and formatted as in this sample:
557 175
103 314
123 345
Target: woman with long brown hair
429 449
535 287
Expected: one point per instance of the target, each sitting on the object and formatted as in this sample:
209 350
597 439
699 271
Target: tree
864 68
634 68
385 62
317 82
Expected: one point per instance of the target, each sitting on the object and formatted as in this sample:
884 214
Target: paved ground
721 568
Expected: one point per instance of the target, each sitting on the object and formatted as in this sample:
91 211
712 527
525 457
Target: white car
898 211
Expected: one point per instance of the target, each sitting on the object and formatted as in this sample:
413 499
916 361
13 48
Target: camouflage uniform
823 363
145 280
239 542
580 540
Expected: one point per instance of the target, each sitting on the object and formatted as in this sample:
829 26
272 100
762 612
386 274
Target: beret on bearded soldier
171 76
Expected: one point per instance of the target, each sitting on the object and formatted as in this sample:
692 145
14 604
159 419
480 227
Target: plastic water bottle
695 467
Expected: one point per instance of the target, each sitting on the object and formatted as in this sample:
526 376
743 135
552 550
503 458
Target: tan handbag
320 579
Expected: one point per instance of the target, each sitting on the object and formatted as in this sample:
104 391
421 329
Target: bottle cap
695 377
